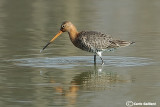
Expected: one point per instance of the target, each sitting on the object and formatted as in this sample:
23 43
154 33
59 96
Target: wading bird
91 41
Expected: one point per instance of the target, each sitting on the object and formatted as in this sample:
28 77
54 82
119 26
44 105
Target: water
64 76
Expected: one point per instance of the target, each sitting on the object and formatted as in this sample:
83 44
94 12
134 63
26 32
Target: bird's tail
121 43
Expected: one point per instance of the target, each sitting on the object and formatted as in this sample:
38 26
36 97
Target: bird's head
65 27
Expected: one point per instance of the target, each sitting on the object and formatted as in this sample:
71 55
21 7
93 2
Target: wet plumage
90 41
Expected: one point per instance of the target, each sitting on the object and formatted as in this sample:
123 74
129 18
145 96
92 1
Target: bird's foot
102 63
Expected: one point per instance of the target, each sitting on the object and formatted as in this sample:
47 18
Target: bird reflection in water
95 79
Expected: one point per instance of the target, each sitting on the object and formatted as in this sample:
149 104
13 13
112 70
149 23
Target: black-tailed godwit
91 41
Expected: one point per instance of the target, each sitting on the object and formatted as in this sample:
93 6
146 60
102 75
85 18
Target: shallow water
65 76
70 62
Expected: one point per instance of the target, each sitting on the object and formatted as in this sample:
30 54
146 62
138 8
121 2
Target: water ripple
70 62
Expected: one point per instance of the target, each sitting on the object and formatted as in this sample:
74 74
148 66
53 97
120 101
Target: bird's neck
73 33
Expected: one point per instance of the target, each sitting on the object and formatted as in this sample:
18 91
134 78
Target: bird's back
93 41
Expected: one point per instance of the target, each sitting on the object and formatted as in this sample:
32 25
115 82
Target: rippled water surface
64 76
69 62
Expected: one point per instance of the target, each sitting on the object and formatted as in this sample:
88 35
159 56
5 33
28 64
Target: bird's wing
94 41
119 43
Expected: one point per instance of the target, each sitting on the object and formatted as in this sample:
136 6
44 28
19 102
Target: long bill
58 34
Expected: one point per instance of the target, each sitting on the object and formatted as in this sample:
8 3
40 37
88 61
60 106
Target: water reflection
95 79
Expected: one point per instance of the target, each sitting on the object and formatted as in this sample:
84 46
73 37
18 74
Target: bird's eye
63 26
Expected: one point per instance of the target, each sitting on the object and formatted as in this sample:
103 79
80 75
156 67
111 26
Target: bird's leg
100 55
94 58
102 60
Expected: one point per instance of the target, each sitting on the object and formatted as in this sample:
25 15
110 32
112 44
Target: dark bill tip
45 46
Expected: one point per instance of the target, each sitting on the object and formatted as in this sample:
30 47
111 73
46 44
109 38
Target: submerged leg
100 55
94 58
102 60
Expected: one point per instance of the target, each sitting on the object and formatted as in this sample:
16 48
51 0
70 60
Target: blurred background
65 76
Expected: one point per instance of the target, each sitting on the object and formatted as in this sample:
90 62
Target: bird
91 41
